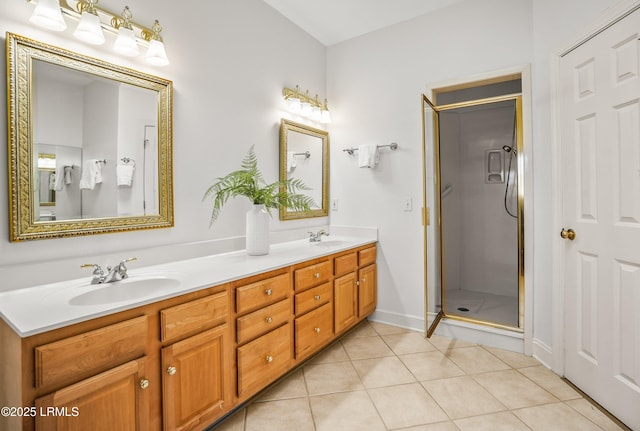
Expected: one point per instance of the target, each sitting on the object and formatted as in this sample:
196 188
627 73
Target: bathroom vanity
216 331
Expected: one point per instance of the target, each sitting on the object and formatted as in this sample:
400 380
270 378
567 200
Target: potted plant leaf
249 182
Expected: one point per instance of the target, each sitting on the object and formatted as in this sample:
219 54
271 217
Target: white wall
229 62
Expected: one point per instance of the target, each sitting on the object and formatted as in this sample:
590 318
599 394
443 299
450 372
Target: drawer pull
357 283
144 383
364 280
317 330
268 292
317 297
171 370
316 275
269 358
269 319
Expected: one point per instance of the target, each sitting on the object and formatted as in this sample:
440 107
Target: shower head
508 149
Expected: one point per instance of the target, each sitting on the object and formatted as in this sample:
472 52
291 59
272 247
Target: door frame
527 172
609 17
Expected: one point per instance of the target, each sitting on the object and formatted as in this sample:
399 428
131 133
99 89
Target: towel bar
392 146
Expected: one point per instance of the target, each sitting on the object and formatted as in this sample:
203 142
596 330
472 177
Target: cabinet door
345 299
366 290
117 399
195 379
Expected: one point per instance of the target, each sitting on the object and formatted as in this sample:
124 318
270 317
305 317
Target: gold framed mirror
107 131
304 154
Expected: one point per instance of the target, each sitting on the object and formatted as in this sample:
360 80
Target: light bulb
47 14
89 29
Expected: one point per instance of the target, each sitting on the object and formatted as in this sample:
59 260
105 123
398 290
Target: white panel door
600 135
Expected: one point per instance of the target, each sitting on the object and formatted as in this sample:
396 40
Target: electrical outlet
407 204
334 204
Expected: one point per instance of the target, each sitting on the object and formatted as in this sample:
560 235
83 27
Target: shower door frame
442 312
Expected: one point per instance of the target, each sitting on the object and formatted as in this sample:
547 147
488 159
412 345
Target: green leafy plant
249 182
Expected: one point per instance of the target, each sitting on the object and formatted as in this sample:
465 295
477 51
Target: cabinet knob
316 275
171 370
268 319
364 280
357 283
317 297
144 383
268 292
317 330
269 358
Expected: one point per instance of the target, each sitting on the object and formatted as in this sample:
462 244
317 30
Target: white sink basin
128 289
330 243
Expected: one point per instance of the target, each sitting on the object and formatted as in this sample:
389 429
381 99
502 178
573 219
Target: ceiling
334 21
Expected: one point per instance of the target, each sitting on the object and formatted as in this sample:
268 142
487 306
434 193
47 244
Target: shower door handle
569 234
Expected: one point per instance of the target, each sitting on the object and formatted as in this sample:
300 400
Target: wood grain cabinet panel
256 295
367 290
312 275
194 316
345 301
367 256
114 400
345 264
262 321
313 330
312 298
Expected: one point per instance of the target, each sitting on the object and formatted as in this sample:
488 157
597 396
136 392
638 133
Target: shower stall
473 143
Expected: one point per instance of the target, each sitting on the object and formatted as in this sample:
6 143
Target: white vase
257 231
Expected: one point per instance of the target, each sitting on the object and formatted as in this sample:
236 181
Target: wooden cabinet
113 400
183 363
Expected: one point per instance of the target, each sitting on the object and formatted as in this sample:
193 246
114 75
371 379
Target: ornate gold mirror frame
23 224
304 154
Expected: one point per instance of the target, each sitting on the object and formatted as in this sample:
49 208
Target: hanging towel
91 174
59 179
124 174
291 161
67 174
368 156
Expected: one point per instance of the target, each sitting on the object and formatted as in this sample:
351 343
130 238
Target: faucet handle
122 269
97 270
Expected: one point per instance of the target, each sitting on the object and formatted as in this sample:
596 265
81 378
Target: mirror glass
90 144
304 155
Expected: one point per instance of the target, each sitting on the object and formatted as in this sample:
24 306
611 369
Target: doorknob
569 234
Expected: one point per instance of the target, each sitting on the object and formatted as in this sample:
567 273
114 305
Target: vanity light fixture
125 43
307 106
93 19
89 29
47 14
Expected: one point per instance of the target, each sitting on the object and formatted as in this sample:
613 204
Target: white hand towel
291 161
368 156
67 174
124 174
91 174
59 179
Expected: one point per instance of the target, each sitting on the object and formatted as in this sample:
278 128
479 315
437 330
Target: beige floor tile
551 382
513 389
234 423
513 359
475 360
430 366
293 386
556 416
332 377
364 329
366 347
445 344
283 415
334 353
503 421
592 413
349 411
406 405
461 397
383 329
408 342
440 426
378 372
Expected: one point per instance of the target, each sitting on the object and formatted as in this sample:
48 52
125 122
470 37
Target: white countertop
37 309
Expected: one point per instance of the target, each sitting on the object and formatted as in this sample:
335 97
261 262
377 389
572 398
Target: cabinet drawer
84 355
367 256
313 330
263 360
345 264
263 320
194 316
261 293
312 298
312 275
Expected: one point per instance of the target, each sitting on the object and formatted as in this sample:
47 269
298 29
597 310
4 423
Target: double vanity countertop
38 309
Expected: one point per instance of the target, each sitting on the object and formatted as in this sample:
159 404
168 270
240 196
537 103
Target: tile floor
381 377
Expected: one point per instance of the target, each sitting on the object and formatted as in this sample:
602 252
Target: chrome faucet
117 273
316 237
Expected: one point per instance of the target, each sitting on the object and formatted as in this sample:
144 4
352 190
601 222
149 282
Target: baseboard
482 334
542 353
413 323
